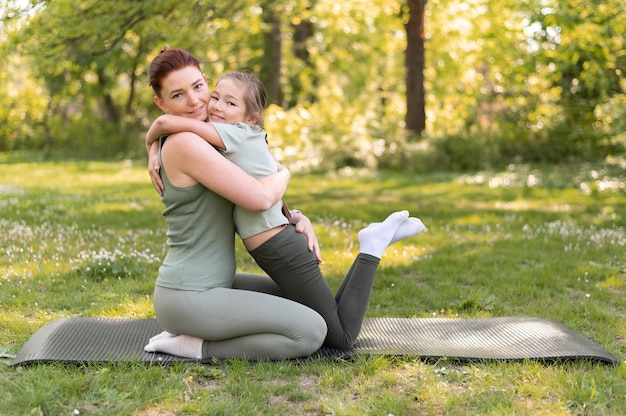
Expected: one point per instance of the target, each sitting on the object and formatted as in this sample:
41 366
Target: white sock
408 228
163 334
180 345
375 238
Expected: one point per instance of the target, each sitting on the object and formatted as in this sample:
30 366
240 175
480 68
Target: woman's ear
159 102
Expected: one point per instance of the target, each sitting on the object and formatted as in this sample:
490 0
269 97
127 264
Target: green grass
86 239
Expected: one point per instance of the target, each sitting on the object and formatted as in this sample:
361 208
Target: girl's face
227 104
184 93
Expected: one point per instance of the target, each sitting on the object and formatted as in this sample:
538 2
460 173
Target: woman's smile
199 111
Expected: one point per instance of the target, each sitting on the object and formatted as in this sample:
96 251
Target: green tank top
200 237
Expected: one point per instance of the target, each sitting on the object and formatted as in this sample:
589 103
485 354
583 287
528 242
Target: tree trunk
302 33
110 110
273 55
414 61
48 139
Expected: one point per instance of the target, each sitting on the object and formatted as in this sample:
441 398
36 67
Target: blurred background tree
394 84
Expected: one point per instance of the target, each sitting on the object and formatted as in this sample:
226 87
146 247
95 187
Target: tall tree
272 45
286 29
303 32
414 60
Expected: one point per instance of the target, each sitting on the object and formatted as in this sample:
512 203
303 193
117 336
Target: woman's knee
315 333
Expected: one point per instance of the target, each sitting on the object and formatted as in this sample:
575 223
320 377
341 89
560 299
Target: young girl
278 249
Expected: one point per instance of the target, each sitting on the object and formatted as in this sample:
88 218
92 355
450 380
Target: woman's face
227 104
184 93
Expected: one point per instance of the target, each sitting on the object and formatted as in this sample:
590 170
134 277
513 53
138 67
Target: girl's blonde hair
255 96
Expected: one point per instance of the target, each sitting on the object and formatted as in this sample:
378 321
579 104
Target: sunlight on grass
586 178
87 239
130 307
613 283
128 206
578 237
525 206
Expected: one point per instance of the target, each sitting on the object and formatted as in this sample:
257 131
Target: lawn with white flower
87 239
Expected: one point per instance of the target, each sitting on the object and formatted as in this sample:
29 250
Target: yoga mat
88 340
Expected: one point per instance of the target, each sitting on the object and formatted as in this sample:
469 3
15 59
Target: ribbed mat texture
82 340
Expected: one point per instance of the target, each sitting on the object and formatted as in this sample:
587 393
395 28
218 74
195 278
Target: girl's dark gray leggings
287 260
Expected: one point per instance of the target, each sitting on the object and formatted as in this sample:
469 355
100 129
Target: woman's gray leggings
245 321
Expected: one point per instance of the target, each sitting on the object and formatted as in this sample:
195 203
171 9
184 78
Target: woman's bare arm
168 124
189 159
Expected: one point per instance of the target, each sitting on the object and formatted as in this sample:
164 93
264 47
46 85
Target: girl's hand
154 167
303 225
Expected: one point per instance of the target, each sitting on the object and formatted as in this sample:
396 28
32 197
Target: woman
240 98
197 296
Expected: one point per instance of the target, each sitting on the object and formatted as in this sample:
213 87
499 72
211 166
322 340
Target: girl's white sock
376 237
408 228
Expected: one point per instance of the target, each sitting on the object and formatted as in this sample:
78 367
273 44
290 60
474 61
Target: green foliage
535 81
583 59
23 107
